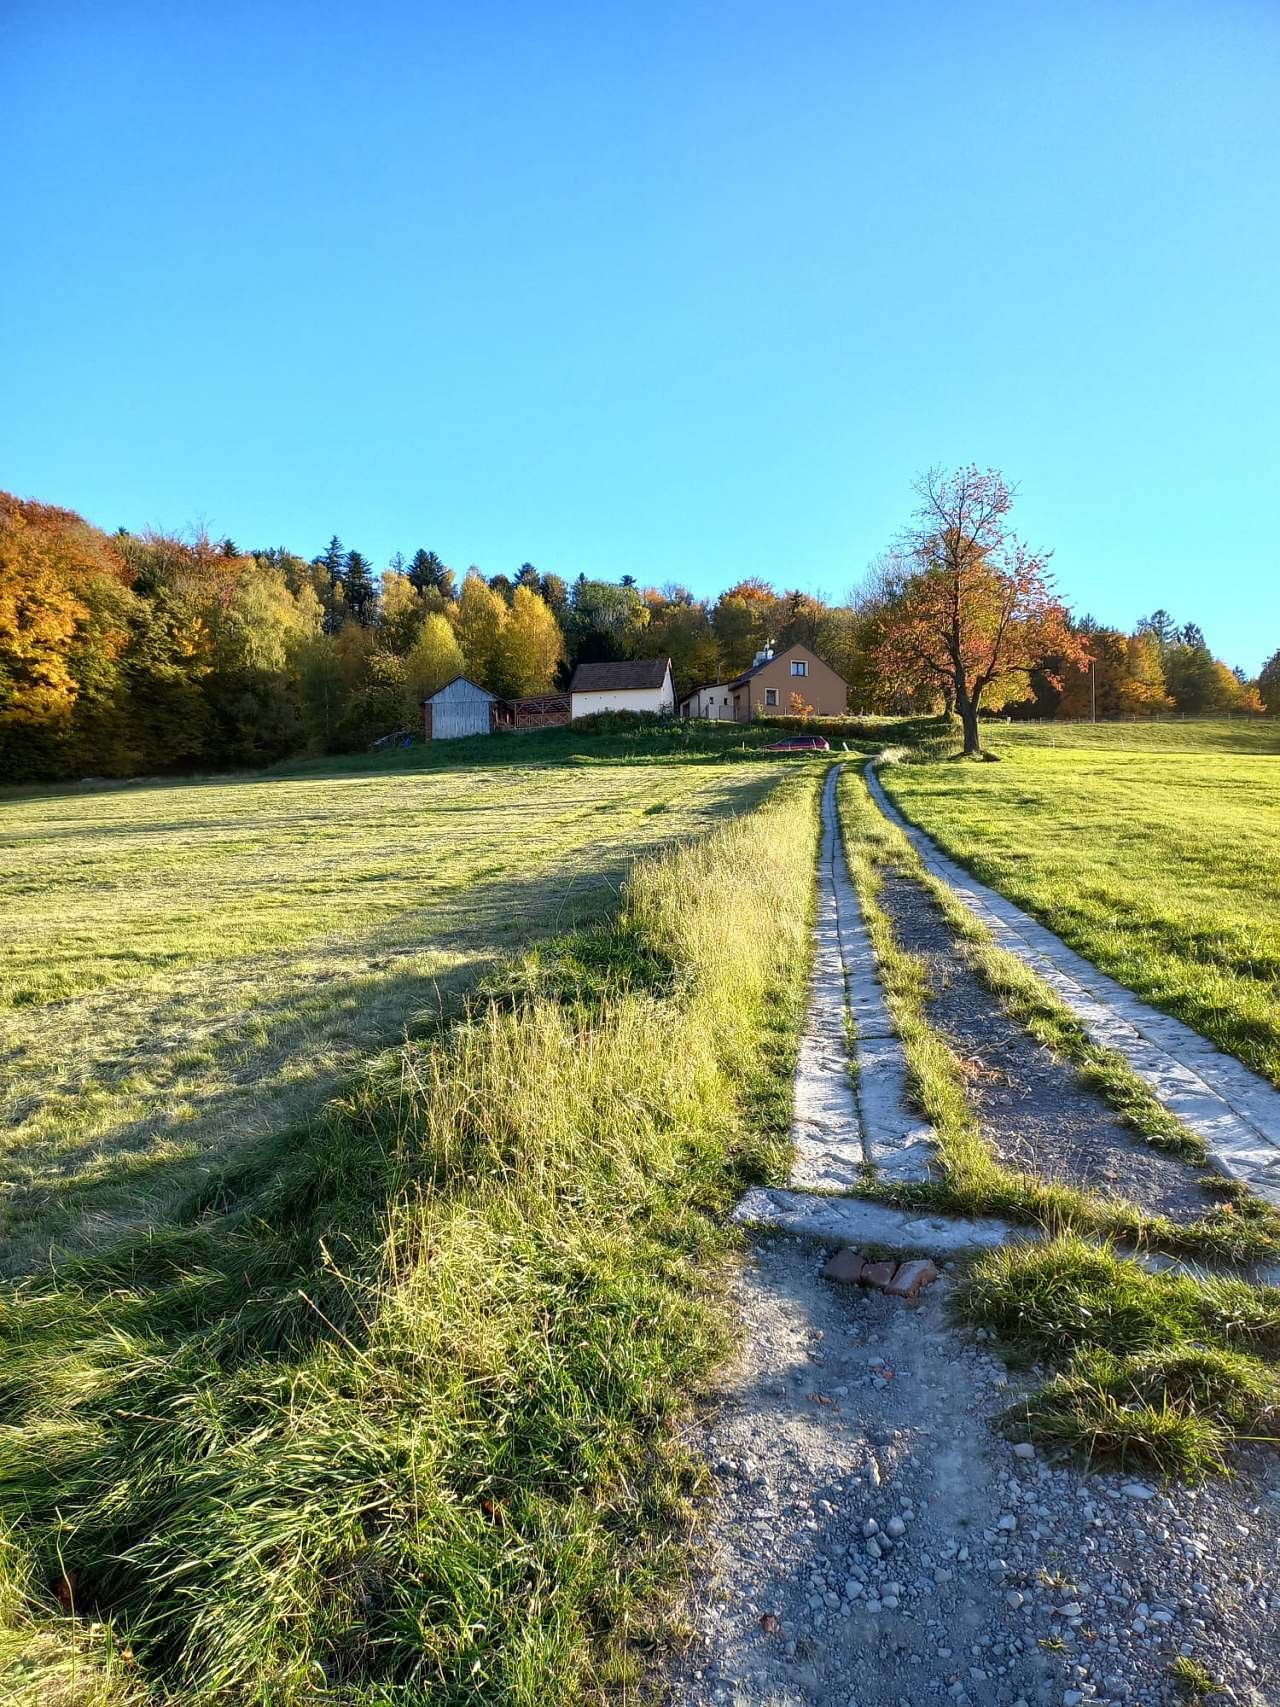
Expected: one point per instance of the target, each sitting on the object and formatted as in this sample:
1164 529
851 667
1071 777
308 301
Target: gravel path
873 1541
1033 1107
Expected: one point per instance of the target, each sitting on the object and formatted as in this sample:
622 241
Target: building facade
791 683
459 708
714 701
633 684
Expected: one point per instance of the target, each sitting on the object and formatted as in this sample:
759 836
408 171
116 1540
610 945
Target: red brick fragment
877 1274
845 1265
912 1277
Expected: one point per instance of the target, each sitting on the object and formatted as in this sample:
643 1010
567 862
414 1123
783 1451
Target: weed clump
1163 1370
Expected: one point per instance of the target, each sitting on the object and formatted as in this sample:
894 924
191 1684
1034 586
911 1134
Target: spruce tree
358 580
427 572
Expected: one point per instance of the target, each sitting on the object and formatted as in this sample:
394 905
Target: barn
635 684
460 707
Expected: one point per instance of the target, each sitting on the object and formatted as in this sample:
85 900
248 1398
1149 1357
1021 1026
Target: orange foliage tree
975 612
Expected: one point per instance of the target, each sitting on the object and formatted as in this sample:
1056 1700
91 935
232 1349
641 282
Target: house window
771 696
799 667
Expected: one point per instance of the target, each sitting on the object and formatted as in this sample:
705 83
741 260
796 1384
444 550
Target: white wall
652 700
713 702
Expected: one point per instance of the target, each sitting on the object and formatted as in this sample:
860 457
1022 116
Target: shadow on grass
67 1196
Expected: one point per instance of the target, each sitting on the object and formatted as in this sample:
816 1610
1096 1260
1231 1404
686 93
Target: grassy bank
188 967
973 1181
391 1415
1154 851
1158 1371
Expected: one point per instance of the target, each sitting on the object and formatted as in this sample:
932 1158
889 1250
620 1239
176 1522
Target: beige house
791 683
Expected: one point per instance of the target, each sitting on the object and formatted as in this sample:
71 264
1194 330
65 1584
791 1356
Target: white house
715 702
458 708
635 684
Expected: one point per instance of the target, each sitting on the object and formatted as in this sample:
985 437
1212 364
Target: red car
801 744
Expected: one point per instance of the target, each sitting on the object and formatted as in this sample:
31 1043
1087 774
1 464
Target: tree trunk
969 721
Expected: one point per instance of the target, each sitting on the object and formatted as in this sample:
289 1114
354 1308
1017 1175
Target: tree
400 613
1269 684
435 659
478 621
977 612
528 576
357 581
1162 626
529 647
427 573
1192 677
332 561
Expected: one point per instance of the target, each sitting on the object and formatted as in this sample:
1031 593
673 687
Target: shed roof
629 673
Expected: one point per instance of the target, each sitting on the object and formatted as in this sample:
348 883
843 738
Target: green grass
972 1180
1154 850
394 1412
1193 1680
189 966
1161 1371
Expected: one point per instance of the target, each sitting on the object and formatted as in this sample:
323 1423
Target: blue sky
686 291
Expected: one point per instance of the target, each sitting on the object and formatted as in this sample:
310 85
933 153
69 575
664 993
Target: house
460 707
794 682
714 701
634 684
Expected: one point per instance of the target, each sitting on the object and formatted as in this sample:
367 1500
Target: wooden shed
459 708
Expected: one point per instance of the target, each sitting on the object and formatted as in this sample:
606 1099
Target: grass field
391 1412
1154 850
189 965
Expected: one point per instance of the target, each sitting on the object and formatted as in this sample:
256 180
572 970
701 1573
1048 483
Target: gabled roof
764 663
628 674
453 682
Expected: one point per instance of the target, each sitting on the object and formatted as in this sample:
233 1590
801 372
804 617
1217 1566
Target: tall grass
393 1415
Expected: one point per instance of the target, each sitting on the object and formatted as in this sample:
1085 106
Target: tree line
122 654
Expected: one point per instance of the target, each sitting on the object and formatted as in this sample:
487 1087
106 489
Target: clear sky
676 289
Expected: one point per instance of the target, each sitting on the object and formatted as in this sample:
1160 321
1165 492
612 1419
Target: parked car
800 744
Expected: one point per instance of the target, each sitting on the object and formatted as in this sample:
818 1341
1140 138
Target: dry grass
392 1414
187 967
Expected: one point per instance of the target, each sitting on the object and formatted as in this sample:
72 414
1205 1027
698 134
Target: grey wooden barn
460 707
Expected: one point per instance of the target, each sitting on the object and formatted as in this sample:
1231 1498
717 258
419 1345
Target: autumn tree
478 620
434 660
400 613
529 647
977 611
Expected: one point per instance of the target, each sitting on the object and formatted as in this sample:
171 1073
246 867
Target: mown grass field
1154 850
389 1412
188 966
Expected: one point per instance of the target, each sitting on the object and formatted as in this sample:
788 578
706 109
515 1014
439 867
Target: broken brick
912 1277
877 1274
845 1265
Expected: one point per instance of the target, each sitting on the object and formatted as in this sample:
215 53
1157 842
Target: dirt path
873 1539
1035 1111
994 1579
